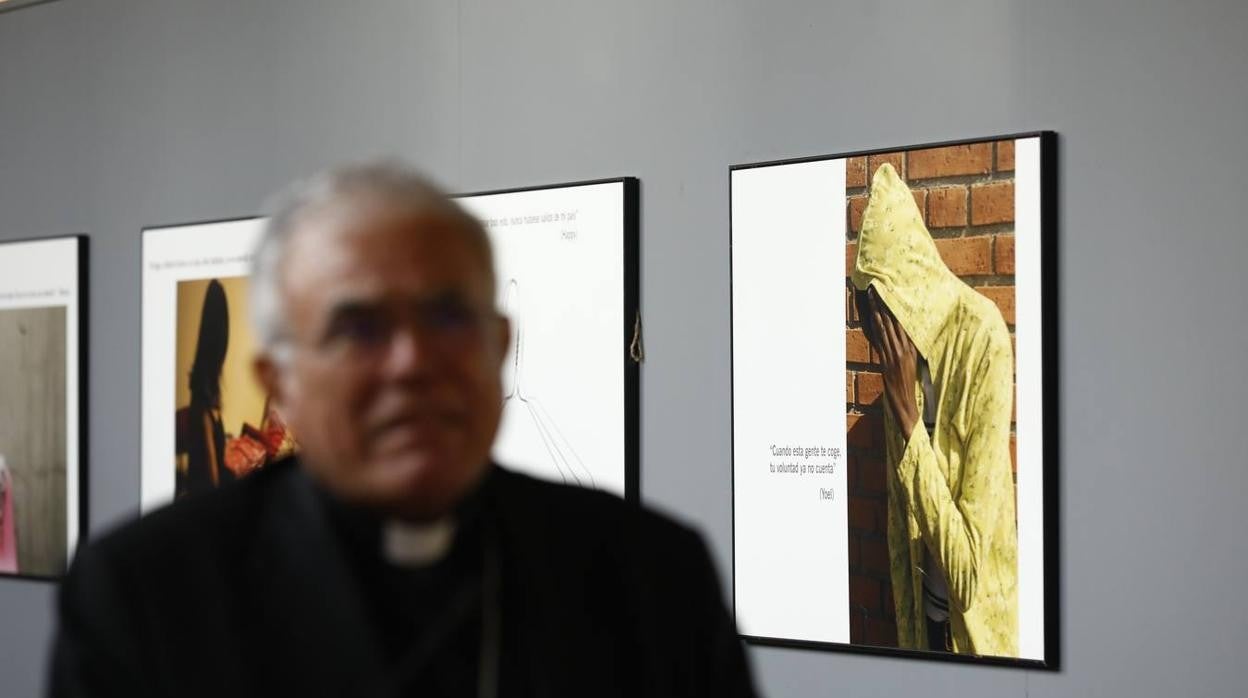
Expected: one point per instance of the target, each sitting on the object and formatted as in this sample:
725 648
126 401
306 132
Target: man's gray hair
390 181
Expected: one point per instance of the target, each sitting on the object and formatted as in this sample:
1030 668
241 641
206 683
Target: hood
897 256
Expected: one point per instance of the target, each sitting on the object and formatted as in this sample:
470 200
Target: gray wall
120 114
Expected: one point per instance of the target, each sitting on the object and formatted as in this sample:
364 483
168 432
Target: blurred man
393 558
948 387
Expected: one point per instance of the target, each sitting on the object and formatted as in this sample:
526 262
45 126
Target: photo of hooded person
945 353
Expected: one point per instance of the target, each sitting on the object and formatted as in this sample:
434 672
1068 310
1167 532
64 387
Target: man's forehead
360 215
364 251
348 230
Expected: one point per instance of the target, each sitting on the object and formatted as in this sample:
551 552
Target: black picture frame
1049 417
81 385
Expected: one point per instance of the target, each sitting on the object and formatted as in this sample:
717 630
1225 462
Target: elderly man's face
393 387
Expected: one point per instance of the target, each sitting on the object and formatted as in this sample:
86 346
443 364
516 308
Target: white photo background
788 351
559 259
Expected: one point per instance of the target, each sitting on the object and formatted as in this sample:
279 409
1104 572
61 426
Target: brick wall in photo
966 196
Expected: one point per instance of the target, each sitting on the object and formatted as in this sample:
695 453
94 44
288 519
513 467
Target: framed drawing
566 258
205 419
566 262
894 401
43 430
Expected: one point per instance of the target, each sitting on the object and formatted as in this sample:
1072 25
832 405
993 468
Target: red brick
851 470
857 348
851 308
951 161
857 204
857 626
849 387
870 387
898 161
967 256
1005 156
864 430
1003 254
874 557
856 172
1003 296
866 513
920 200
992 203
881 633
851 255
946 207
864 592
872 478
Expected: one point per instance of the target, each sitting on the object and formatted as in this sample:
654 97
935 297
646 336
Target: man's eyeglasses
366 330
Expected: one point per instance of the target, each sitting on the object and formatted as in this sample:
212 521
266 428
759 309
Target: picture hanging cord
635 348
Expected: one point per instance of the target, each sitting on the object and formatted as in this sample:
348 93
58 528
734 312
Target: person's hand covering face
900 360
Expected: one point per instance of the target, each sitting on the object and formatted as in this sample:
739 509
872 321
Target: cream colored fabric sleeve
958 527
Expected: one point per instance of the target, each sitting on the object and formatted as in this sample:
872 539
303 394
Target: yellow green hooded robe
953 491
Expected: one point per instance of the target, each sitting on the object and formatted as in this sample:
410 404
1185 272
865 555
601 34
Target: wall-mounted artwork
42 388
894 373
206 420
566 261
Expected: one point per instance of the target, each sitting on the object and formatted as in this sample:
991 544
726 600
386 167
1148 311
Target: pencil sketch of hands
522 396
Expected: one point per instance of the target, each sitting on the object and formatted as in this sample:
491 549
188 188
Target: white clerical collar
417 544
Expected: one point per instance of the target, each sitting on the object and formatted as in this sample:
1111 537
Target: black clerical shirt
428 617
263 588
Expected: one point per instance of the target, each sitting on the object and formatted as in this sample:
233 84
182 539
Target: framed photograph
205 419
894 401
43 338
566 262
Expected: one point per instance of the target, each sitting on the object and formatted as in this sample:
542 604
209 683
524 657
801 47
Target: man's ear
503 339
268 374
